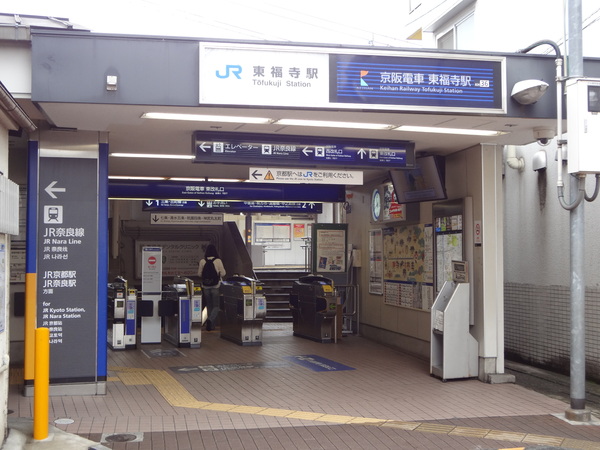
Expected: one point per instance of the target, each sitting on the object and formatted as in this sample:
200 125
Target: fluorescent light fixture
333 124
205 118
151 156
203 179
127 177
465 131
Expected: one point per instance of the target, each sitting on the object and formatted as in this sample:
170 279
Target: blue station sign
443 83
234 207
301 151
170 190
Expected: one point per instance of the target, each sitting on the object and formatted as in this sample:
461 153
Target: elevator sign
301 151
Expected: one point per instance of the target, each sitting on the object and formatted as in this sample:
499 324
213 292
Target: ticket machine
122 327
313 303
175 307
243 309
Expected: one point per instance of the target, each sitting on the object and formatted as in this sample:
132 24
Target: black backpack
210 277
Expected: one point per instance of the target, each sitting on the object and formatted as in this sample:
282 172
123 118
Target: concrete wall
537 268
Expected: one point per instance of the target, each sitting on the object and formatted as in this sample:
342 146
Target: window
460 36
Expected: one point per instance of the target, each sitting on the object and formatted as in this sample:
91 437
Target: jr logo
230 69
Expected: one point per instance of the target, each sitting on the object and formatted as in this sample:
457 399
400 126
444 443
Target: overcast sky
326 21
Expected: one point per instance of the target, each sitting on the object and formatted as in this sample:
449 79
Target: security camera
543 135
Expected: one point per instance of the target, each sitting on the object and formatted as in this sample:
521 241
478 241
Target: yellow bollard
41 384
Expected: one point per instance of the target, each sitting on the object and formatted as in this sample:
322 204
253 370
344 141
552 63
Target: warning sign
305 176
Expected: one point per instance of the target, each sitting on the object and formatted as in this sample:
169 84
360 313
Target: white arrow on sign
362 153
306 151
203 147
149 202
50 189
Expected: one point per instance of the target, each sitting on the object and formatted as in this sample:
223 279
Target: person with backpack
211 271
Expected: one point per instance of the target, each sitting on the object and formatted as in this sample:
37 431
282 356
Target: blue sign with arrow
301 151
233 206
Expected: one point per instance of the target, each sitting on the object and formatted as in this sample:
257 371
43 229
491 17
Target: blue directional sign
301 151
420 82
225 191
233 206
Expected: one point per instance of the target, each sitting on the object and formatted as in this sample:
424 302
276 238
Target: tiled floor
225 396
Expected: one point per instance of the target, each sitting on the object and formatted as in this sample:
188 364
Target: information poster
408 266
376 261
449 247
329 252
178 257
273 236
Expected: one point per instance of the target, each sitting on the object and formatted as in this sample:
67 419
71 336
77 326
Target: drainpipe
512 160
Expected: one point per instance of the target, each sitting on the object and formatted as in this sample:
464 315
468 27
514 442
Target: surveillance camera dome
543 135
544 141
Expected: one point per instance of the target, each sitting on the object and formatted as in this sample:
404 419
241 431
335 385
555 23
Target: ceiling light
332 124
151 156
203 179
205 118
127 177
465 131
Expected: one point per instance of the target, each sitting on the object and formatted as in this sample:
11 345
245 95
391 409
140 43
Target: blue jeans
211 300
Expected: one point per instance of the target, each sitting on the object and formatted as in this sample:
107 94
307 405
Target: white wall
4 297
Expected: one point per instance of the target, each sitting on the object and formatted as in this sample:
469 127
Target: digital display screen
418 82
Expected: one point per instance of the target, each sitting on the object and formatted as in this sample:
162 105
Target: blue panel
418 82
102 258
318 363
301 151
32 199
184 316
225 191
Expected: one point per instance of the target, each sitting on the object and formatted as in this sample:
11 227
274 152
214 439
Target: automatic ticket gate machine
313 303
122 305
175 307
243 309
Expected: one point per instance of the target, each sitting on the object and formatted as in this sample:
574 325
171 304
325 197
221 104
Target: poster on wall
179 258
392 210
408 266
273 236
376 261
329 244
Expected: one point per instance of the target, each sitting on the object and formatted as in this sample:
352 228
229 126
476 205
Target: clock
376 205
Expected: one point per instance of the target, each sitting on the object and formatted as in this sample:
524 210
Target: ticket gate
243 309
198 314
175 307
122 326
313 303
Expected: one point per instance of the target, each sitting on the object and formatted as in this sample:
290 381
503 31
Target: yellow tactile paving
435 428
247 409
366 421
583 445
410 426
133 378
334 418
304 415
176 395
506 436
469 432
275 412
543 440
